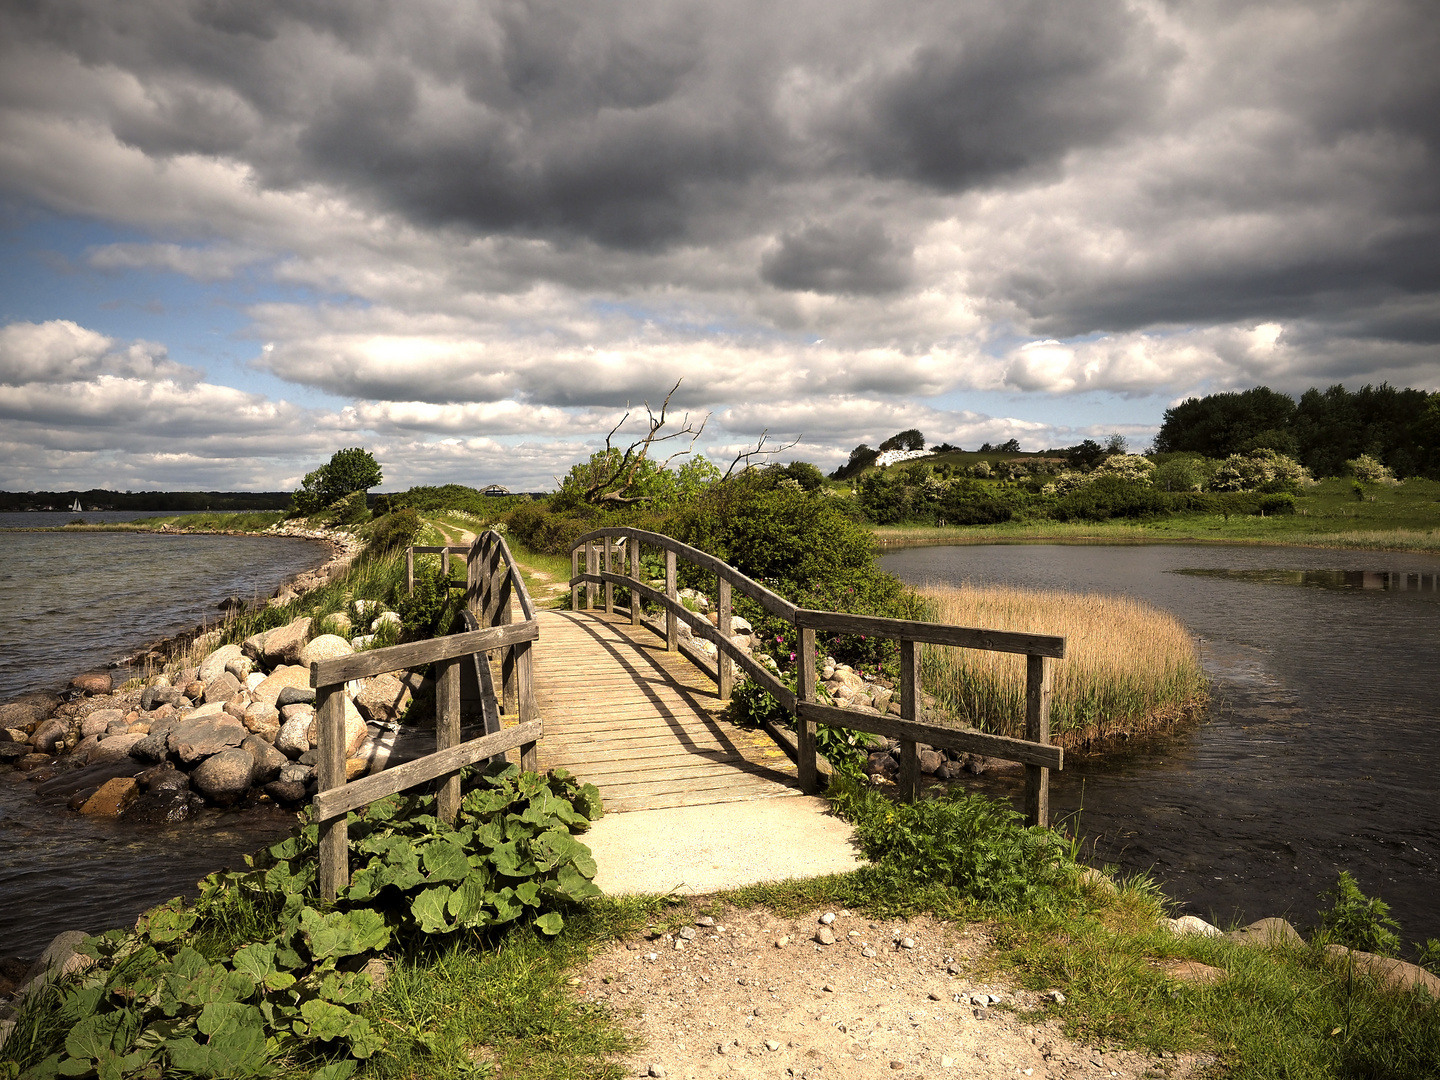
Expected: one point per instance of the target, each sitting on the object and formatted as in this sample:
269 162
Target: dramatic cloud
464 226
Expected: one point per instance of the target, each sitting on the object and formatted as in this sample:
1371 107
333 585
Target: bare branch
759 451
613 485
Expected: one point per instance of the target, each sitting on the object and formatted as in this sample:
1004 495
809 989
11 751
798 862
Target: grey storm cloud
503 186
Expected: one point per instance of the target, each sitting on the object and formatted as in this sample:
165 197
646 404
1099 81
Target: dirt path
889 999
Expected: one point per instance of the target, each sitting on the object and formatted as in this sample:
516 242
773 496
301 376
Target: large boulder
213 666
224 778
356 729
152 697
113 798
286 792
295 695
242 667
263 720
222 688
50 734
268 760
278 679
19 714
114 748
324 647
254 646
98 721
93 683
294 736
382 699
283 644
195 740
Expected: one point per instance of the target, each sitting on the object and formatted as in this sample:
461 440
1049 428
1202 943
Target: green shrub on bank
260 970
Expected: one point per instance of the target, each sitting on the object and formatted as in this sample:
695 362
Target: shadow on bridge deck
642 724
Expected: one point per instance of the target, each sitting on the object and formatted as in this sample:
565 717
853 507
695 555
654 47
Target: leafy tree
1084 455
1011 446
805 474
354 469
861 458
910 439
1223 424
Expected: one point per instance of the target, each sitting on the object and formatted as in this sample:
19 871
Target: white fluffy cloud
521 217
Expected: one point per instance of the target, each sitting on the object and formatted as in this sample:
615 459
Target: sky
238 235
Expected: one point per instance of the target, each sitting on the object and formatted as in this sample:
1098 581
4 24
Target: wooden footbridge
632 706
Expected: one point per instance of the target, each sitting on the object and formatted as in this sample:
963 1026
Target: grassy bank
1388 517
1128 666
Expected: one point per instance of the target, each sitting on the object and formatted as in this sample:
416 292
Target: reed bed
1128 667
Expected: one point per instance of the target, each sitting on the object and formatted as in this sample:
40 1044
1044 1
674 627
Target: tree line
1323 430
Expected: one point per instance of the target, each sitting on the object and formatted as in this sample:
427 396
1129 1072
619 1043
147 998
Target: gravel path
756 995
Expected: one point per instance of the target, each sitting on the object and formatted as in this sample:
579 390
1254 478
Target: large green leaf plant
174 996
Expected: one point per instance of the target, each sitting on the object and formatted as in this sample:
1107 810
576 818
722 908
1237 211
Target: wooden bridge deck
641 723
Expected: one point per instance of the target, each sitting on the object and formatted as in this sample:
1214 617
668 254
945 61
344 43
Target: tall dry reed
1128 666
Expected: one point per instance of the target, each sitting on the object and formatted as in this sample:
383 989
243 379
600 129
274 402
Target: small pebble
982 1014
867 952
652 957
656 1070
828 988
1056 996
934 996
907 943
825 936
687 932
771 1045
704 920
828 918
781 942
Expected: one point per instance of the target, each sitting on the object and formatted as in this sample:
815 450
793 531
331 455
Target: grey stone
287 792
262 720
242 667
58 959
295 695
293 772
325 647
825 936
152 747
310 757
222 688
224 777
114 748
269 690
382 699
283 644
1267 932
155 696
294 737
20 714
930 762
49 735
193 740
99 721
213 666
268 760
254 645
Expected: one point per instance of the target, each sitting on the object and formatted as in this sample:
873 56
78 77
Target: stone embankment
237 726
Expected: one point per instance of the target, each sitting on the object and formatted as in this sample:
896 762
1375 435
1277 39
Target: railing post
672 621
503 617
609 586
445 565
724 666
525 692
1038 671
334 833
410 570
633 544
447 734
592 566
474 571
574 573
909 710
805 729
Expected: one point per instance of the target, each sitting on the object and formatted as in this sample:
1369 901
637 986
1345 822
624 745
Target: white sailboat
77 507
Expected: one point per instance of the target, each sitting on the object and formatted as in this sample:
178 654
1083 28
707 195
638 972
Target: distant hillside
100 499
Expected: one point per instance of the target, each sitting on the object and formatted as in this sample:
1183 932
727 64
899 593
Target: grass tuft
1128 666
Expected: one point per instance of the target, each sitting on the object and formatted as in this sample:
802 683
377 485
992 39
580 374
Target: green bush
1110 496
395 531
969 843
430 611
1358 921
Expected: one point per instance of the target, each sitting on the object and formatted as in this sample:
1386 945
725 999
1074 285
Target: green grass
1401 517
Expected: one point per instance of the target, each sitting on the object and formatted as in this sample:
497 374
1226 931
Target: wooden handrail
492 579
1035 751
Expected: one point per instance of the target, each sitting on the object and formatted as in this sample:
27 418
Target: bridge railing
606 552
492 581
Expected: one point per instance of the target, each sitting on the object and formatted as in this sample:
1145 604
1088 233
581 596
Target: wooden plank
657 773
362 665
672 624
973 742
334 851
447 732
725 671
522 594
805 729
727 780
620 804
909 779
335 804
770 601
964 637
1037 729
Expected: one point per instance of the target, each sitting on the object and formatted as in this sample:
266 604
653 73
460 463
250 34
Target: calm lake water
72 601
1321 748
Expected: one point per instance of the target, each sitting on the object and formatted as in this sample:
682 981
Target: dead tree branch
760 451
616 480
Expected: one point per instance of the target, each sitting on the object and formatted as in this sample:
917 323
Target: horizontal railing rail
492 581
601 548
